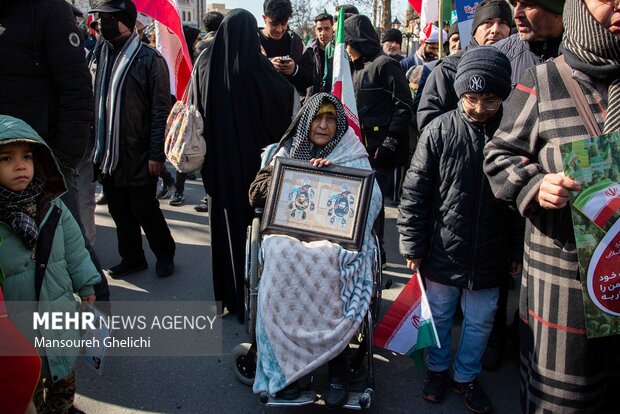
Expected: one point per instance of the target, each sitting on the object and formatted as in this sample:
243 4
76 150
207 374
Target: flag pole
440 26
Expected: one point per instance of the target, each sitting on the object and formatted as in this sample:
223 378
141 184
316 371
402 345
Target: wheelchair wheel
244 363
252 269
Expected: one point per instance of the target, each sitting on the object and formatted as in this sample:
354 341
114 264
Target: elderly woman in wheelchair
312 296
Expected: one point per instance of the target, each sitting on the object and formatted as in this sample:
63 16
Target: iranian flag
170 41
407 326
342 84
428 10
599 202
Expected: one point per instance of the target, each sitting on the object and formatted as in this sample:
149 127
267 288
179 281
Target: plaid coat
561 370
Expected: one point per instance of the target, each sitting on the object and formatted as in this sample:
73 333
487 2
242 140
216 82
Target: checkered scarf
598 49
18 210
302 147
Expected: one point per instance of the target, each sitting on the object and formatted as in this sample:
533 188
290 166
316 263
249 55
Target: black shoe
177 199
435 384
473 395
166 190
126 268
336 395
202 208
100 199
164 267
383 260
290 392
492 358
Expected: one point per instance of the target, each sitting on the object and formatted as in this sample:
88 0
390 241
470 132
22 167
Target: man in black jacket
383 104
540 28
132 94
322 64
491 23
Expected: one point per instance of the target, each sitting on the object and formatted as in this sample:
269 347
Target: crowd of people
467 145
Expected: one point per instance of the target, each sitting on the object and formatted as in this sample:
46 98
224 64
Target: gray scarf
594 50
107 102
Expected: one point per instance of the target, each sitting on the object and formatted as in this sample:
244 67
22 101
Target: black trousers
133 208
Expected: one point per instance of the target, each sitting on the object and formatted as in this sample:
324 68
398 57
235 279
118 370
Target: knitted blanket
312 296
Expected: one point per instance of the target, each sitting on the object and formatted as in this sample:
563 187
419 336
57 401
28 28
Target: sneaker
100 199
336 395
166 190
473 395
435 384
126 268
177 199
164 267
202 208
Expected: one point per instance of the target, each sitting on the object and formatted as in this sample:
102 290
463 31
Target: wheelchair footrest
305 398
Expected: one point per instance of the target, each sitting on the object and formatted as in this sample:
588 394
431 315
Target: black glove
387 150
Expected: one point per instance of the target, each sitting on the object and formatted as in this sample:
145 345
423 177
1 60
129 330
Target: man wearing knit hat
492 22
391 42
464 217
540 29
132 102
454 38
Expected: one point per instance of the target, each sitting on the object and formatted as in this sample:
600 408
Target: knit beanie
483 69
555 6
491 9
392 35
454 29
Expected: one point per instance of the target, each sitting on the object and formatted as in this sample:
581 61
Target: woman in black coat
246 105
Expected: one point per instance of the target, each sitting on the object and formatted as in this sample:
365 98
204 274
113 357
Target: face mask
109 29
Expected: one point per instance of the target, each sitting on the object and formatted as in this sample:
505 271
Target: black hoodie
382 94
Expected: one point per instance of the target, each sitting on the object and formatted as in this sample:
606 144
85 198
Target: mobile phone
285 59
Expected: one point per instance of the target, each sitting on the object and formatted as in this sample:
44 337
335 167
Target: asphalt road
208 384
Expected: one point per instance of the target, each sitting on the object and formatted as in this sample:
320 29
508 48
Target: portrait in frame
310 203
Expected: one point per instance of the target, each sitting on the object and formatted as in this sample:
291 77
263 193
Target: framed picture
309 203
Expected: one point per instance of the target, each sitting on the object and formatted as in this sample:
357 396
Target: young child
455 231
30 187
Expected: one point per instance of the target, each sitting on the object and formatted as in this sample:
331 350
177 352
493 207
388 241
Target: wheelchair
361 371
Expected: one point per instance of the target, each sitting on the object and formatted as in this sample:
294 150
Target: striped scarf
599 52
302 147
18 210
108 104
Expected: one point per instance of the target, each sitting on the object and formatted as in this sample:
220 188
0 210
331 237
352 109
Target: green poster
595 164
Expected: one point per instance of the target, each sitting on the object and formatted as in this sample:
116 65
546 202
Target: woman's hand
553 191
320 162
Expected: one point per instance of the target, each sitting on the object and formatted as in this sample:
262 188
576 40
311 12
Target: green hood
46 167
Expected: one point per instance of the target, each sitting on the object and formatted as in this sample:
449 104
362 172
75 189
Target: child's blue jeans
478 310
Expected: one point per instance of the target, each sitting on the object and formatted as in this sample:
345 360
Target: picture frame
309 203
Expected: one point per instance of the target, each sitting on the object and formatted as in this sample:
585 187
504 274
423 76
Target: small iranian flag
407 326
342 84
599 202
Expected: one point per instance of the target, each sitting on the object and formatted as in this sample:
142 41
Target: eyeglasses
488 104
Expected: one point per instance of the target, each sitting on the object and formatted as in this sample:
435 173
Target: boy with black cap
492 22
391 42
132 102
455 231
